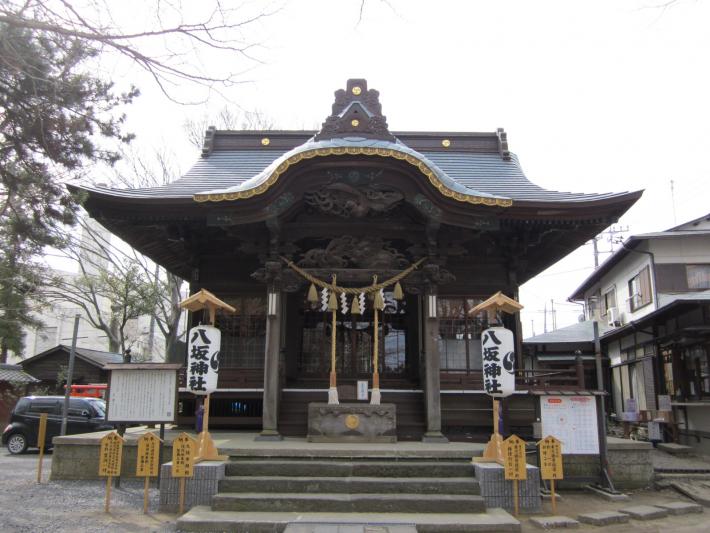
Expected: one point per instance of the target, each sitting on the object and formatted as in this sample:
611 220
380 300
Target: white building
654 294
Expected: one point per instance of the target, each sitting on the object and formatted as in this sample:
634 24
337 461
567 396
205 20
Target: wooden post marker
41 436
110 456
148 462
515 465
498 365
183 463
203 364
551 464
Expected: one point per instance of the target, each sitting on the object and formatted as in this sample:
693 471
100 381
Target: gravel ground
70 506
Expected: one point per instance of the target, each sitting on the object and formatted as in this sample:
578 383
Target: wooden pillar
272 354
432 364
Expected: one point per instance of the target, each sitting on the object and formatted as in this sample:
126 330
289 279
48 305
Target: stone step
339 468
348 503
351 485
202 518
675 449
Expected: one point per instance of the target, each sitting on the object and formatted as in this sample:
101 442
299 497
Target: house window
698 276
640 290
608 300
460 334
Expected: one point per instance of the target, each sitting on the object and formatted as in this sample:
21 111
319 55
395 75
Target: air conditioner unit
613 315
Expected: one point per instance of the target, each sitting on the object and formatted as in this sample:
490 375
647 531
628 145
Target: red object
92 390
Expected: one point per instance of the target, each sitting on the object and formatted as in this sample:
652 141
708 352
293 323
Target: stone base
352 422
434 436
269 435
199 489
498 492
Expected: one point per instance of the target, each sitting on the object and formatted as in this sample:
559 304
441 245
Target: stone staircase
267 494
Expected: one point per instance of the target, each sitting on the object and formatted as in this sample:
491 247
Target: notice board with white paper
142 392
572 420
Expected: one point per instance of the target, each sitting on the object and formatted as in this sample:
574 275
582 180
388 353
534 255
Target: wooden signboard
147 462
110 455
184 448
514 464
551 464
41 437
514 457
550 458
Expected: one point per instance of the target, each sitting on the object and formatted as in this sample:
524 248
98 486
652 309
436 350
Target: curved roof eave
263 181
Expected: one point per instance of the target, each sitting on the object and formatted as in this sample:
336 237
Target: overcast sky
610 95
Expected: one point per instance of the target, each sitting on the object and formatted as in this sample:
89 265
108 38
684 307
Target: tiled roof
15 374
97 357
471 172
579 332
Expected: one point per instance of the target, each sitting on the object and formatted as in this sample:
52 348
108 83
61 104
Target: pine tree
52 117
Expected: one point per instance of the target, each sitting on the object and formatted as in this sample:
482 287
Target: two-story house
654 294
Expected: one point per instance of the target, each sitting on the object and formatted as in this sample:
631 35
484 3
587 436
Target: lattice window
243 333
460 334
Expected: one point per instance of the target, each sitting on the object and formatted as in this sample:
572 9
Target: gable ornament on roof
357 112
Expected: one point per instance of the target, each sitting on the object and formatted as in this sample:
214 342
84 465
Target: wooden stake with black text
551 464
110 454
515 465
183 463
148 462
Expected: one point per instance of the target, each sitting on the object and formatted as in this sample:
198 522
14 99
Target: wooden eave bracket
204 299
497 302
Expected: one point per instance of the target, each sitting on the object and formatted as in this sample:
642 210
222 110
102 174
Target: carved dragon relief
353 194
355 252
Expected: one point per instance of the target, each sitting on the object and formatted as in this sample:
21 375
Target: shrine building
261 212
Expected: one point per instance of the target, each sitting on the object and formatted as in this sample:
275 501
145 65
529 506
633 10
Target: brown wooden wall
47 369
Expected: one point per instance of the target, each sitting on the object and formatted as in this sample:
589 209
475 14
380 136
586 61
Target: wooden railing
553 378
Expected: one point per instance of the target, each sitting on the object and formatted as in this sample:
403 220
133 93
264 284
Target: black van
84 416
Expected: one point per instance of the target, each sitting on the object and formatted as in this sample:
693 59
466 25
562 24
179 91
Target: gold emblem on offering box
352 421
446 143
265 141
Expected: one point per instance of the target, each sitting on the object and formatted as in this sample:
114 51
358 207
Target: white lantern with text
498 353
203 359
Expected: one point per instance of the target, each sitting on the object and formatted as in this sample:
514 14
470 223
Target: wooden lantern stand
206 449
497 303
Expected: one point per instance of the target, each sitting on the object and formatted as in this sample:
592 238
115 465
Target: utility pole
545 319
675 221
610 233
552 312
70 376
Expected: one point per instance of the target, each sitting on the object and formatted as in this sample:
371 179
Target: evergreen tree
52 117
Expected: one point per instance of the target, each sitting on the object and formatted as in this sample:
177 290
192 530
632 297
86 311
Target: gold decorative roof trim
353 150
